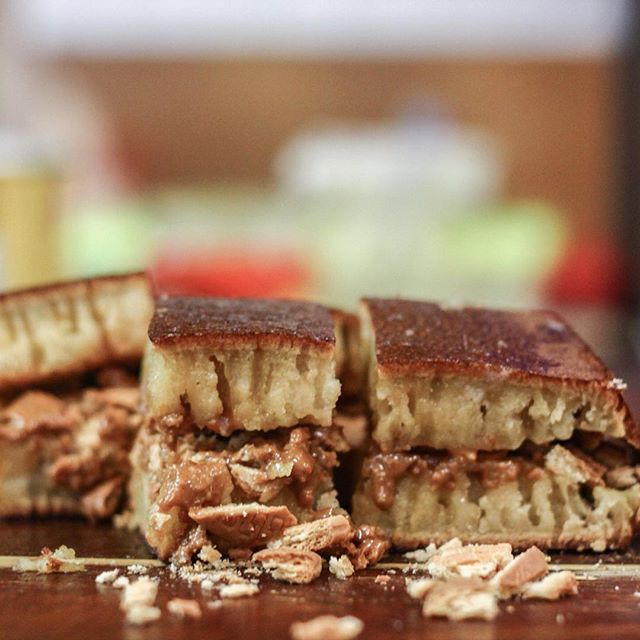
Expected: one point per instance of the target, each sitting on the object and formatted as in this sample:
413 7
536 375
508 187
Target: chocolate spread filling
251 467
441 469
84 437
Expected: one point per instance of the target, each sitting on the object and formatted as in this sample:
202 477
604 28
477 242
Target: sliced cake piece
469 378
193 489
72 327
237 364
553 497
69 396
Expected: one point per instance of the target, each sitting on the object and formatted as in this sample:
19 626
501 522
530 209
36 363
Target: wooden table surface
72 606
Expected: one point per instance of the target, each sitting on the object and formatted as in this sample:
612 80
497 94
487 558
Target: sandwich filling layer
554 496
178 480
67 454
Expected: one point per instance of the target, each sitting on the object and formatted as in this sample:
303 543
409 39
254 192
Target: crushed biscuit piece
326 533
327 628
461 599
120 582
137 601
141 591
243 525
209 554
107 577
290 565
207 584
62 560
472 560
553 586
240 590
528 566
341 567
137 569
418 589
184 608
382 580
582 469
422 555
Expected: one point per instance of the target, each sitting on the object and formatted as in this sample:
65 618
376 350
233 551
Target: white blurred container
374 199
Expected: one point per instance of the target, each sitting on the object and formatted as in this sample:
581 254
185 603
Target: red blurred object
591 272
229 272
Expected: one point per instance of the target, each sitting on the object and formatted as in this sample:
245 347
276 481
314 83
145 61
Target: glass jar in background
29 199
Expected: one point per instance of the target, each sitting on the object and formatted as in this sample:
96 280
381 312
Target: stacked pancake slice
69 399
492 426
239 443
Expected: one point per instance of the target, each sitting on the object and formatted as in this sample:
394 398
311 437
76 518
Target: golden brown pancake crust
414 336
193 321
70 285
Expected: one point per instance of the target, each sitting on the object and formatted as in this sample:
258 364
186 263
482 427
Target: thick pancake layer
558 498
481 379
67 328
228 365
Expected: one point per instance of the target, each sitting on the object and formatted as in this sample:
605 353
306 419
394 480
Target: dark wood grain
72 606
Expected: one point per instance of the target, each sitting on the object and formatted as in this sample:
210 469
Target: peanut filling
441 468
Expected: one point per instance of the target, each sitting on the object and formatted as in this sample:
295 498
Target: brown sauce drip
193 483
441 469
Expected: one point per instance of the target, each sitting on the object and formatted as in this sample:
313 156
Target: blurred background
481 152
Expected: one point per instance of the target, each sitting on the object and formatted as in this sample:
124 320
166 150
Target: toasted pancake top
72 286
181 321
412 336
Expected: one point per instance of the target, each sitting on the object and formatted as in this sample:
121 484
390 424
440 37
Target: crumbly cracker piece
423 555
62 560
290 565
551 587
479 560
341 567
107 577
142 591
418 589
209 554
184 608
581 469
137 569
327 533
244 525
461 599
120 582
528 566
327 628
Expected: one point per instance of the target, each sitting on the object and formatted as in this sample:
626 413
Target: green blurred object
520 240
107 237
